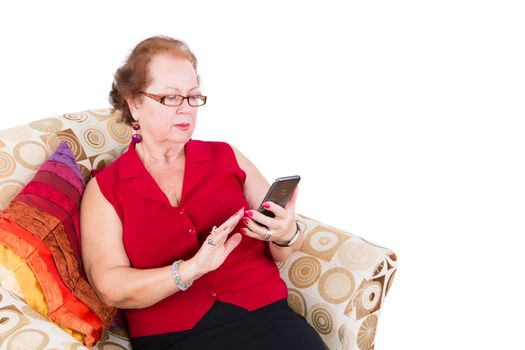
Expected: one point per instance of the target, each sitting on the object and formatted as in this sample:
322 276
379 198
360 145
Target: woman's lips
183 126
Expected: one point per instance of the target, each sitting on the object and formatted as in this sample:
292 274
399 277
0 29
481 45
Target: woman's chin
180 138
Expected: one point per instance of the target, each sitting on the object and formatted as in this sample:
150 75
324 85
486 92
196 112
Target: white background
405 120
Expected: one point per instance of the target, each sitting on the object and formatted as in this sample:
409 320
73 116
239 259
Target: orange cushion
41 225
29 286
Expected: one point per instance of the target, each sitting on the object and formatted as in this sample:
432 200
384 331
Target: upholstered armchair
337 281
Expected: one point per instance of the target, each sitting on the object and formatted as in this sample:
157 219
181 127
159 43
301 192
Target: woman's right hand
216 248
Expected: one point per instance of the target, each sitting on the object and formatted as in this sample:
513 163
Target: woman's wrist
292 239
194 272
186 273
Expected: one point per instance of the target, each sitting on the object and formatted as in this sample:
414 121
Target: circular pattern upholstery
47 125
356 256
30 154
368 299
94 138
119 131
322 318
336 285
72 141
77 117
28 339
350 288
9 189
367 333
18 133
104 114
12 319
304 272
21 327
7 165
297 302
323 240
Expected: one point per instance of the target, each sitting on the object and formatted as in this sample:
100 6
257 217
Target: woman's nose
184 107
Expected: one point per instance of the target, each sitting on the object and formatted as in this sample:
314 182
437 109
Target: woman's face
169 76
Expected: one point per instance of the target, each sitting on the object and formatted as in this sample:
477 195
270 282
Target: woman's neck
160 154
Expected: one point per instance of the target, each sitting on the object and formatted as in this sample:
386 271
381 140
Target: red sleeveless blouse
155 234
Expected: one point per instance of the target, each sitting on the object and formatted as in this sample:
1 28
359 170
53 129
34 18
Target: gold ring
268 235
212 232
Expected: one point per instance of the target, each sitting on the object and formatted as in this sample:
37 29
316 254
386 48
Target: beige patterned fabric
23 328
337 281
95 137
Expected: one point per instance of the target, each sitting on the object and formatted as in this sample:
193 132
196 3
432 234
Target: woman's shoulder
102 187
222 149
107 176
214 148
223 152
109 170
210 144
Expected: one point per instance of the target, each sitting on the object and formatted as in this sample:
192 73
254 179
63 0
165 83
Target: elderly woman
167 230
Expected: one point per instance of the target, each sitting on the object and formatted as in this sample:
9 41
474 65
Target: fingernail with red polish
266 205
243 230
246 220
248 213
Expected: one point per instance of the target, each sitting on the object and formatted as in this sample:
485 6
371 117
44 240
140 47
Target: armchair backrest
96 137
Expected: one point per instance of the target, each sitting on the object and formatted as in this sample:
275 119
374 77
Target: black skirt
227 326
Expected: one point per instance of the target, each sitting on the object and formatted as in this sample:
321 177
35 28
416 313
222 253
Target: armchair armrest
338 283
24 328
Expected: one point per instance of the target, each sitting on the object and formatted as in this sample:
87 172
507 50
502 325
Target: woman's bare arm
107 265
255 188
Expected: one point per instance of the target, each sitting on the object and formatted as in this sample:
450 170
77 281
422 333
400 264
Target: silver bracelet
292 240
176 277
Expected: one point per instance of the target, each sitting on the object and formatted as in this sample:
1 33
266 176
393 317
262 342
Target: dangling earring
136 137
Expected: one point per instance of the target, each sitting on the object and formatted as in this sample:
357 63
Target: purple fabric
63 154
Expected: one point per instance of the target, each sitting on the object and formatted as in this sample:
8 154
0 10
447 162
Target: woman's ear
132 104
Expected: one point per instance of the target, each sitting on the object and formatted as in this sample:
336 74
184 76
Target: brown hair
133 76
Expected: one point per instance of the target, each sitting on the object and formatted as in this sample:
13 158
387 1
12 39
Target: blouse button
213 294
191 230
181 211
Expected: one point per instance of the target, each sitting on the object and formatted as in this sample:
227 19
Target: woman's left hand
282 227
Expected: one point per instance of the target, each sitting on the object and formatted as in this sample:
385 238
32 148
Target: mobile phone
280 192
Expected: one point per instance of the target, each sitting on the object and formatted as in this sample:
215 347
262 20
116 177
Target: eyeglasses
176 100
